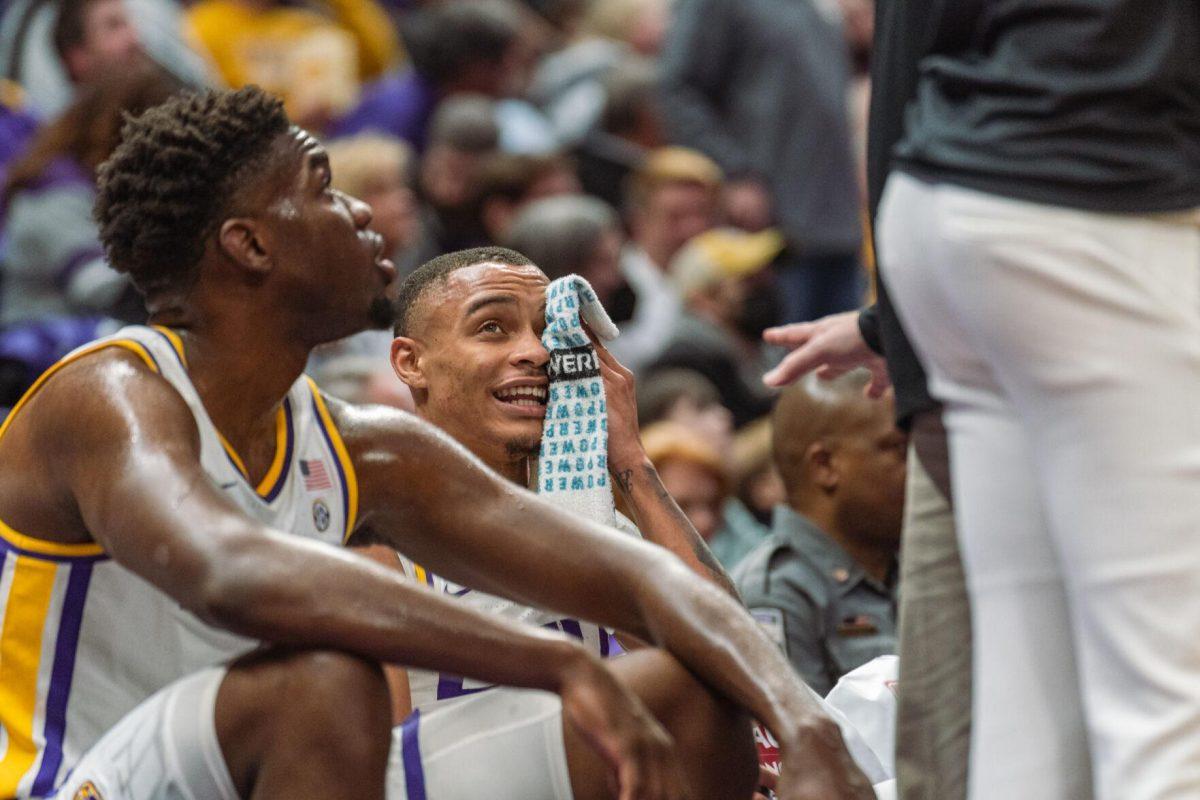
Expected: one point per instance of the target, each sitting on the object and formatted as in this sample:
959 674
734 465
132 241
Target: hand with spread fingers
832 346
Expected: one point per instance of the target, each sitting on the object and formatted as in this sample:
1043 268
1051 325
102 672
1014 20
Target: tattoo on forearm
698 545
624 479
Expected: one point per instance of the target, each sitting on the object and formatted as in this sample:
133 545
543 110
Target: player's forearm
302 594
715 638
662 521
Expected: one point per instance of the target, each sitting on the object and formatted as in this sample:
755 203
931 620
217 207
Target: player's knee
318 693
339 690
713 736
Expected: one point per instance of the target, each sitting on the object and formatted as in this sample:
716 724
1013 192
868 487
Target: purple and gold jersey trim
348 480
285 435
43 589
42 598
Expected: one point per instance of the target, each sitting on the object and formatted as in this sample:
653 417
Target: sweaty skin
271 287
477 335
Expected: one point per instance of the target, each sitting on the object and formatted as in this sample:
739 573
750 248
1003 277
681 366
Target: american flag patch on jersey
316 477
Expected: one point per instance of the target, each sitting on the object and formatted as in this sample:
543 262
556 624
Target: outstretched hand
639 751
832 346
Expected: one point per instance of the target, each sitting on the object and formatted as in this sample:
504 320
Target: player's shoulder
367 427
112 387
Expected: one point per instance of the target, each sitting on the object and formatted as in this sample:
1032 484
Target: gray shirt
761 86
816 602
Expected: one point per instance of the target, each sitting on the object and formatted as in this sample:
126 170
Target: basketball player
171 492
469 347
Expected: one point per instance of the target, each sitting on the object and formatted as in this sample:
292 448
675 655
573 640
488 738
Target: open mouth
523 396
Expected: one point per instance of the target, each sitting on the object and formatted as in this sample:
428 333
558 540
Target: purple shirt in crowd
399 104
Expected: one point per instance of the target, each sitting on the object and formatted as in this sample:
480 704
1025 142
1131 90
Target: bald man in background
823 584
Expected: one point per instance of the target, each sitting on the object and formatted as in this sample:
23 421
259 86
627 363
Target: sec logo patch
88 792
321 515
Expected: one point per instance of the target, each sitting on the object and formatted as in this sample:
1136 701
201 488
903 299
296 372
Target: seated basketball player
175 619
468 346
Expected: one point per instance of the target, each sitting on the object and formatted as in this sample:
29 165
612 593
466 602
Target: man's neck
241 368
875 561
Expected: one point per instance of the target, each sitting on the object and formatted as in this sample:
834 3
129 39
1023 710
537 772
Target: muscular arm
125 451
658 516
434 501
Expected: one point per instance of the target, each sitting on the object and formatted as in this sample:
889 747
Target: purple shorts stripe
410 752
60 677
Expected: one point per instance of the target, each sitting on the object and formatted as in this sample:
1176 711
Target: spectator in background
17 127
95 37
315 61
756 490
455 47
762 88
583 235
572 235
717 274
629 127
691 471
54 265
689 400
378 170
823 584
463 134
569 85
508 183
49 47
672 197
356 378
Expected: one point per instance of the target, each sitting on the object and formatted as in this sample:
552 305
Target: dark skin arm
468 524
658 516
110 428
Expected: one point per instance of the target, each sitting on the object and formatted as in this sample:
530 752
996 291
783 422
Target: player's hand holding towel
573 462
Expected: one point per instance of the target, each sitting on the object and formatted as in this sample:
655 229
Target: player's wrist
571 663
628 467
810 730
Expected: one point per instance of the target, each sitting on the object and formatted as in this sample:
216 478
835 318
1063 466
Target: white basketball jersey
428 688
83 641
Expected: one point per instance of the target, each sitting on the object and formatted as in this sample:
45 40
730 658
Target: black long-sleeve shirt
1091 104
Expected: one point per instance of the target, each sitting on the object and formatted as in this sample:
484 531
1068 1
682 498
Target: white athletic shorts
502 744
165 749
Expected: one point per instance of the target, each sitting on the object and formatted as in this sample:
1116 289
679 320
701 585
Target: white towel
573 462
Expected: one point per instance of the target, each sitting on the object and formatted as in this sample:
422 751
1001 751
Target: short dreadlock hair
438 270
172 179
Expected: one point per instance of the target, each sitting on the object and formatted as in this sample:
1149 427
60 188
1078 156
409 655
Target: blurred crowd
698 161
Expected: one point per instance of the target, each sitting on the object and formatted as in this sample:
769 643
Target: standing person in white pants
1042 244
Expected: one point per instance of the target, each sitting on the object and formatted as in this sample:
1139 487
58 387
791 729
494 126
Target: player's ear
406 362
241 239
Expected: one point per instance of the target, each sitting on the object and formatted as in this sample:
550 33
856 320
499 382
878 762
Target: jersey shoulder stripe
342 462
